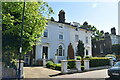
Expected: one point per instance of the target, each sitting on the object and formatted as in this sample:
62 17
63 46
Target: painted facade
59 36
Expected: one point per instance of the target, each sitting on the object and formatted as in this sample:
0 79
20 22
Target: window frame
46 31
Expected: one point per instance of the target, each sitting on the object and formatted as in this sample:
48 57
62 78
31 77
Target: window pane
46 33
60 36
60 50
76 38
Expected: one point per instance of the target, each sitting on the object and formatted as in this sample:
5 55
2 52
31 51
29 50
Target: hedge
99 61
52 65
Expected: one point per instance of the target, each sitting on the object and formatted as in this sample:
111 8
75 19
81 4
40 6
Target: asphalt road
90 74
41 73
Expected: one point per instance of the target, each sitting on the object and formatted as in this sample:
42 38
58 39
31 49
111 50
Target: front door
45 51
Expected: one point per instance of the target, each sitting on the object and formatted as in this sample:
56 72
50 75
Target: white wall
53 40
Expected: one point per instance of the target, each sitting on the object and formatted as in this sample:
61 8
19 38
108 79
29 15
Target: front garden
71 64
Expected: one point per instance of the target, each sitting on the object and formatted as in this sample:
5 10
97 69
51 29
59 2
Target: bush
99 61
52 65
82 68
49 64
58 67
87 57
78 58
71 64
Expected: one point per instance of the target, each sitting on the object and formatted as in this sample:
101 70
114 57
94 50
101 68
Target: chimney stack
113 31
61 16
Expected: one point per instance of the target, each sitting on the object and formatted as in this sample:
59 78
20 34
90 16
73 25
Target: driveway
38 72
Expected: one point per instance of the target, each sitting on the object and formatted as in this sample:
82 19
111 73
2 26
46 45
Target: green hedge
99 61
52 65
71 64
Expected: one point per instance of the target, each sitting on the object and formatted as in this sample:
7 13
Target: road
90 74
40 72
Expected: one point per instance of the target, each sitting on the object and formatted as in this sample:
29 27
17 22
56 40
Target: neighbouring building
58 36
103 47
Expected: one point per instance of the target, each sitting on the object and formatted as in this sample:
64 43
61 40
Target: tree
80 49
116 49
34 25
96 34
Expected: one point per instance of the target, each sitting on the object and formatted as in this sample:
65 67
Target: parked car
115 70
112 57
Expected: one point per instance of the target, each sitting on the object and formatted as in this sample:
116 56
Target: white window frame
63 50
76 38
44 33
86 39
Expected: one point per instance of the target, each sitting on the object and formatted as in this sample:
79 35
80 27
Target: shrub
49 64
71 64
78 58
99 61
82 68
87 57
58 67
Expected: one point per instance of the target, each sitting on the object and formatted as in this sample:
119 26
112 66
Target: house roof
66 23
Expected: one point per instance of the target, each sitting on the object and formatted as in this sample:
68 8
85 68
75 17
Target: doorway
45 51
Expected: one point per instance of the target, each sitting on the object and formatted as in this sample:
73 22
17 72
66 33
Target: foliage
116 49
80 49
110 55
99 61
58 67
52 65
78 58
49 63
34 25
96 34
71 64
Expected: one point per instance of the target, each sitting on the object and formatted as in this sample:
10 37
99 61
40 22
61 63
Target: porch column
64 66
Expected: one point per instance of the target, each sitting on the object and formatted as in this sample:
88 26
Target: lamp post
19 69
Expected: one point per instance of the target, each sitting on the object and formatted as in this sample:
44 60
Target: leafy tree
96 34
80 49
34 25
116 49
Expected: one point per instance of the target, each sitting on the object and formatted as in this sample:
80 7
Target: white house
58 36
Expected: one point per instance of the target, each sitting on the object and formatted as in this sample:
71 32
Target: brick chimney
113 31
61 16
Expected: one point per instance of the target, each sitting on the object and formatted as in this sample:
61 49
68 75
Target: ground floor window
61 50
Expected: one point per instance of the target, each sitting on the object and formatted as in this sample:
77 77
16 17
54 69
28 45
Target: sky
102 15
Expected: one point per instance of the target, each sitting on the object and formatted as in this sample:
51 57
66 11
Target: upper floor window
46 33
86 39
61 36
76 38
